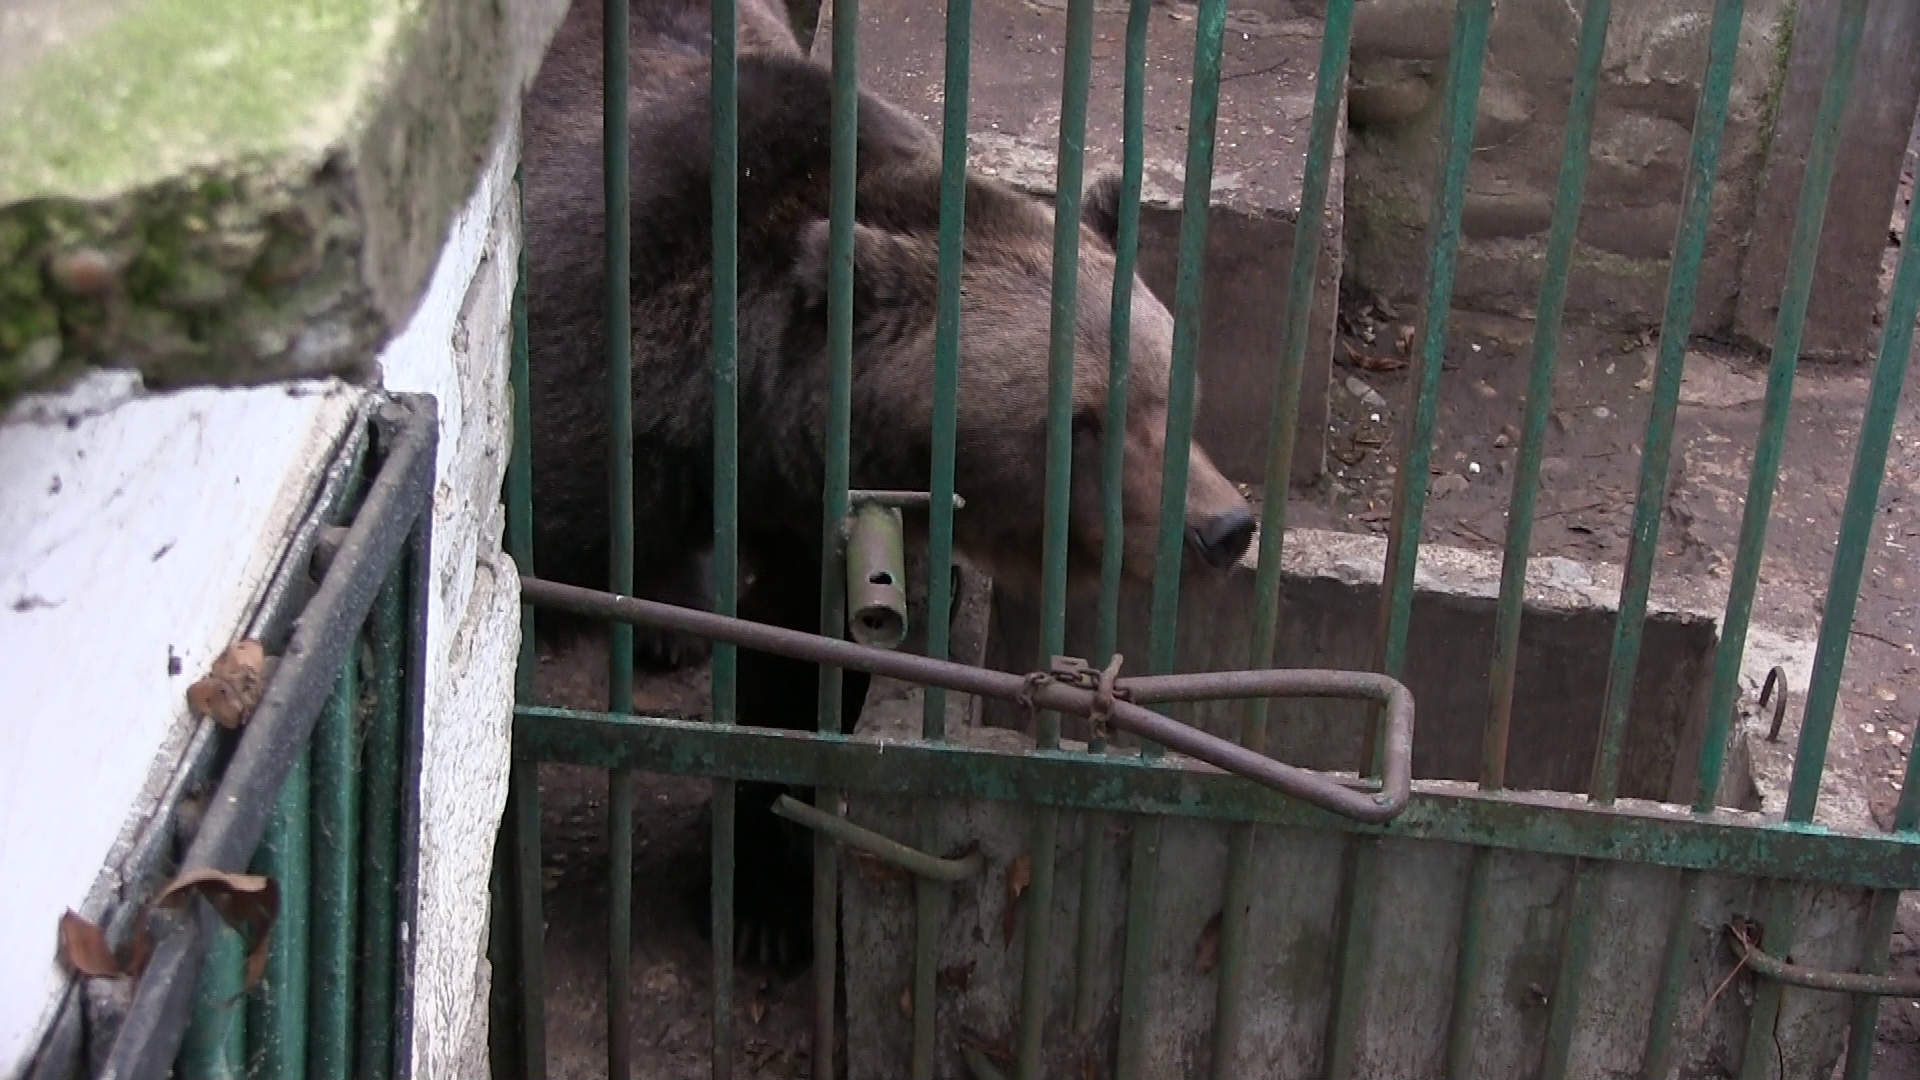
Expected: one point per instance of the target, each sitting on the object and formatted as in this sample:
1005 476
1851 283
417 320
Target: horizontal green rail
1723 842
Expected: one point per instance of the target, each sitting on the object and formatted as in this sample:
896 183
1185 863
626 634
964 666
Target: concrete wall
1655 57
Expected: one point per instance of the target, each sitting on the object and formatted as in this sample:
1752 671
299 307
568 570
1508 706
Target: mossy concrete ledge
234 192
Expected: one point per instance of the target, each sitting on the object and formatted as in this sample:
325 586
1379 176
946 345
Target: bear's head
1000 462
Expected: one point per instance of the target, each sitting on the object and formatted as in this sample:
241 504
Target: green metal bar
845 149
1886 905
1360 878
1035 981
1136 974
215 1044
1203 113
277 1009
521 828
1780 911
1062 331
1330 80
1804 254
1470 22
1360 875
1637 578
1856 534
377 976
946 354
335 750
1577 944
928 907
619 313
1725 842
725 65
1682 285
1656 1063
1561 238
1112 465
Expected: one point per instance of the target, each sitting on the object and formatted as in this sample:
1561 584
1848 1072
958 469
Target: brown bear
784 109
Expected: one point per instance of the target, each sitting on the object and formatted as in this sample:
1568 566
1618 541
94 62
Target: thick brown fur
784 109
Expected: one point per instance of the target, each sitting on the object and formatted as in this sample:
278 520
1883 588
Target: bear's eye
1086 422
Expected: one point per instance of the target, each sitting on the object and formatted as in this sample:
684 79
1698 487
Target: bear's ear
1100 207
884 264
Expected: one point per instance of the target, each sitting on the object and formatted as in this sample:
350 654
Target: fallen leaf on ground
1019 876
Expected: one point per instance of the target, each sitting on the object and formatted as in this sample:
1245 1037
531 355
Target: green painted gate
1596 836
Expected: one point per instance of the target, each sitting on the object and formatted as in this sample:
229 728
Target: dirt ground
1589 480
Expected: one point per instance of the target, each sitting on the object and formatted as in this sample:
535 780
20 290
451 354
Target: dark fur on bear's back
784 185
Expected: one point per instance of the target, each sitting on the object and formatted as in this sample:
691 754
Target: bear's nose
1223 538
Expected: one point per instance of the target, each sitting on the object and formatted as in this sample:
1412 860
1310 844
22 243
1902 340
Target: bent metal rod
1046 692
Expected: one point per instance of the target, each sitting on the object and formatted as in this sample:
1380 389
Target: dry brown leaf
906 1003
248 903
1206 954
232 686
756 1009
84 947
1019 876
1369 362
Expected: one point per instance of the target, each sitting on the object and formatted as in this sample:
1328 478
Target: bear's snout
1224 537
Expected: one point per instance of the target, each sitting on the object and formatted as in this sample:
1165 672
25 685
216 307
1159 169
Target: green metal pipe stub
876 577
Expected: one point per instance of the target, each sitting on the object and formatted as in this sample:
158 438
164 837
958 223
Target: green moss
160 86
1777 79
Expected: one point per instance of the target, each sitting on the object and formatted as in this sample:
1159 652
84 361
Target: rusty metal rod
1312 787
880 846
1769 966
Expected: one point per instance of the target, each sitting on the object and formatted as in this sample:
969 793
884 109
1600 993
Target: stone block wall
1655 58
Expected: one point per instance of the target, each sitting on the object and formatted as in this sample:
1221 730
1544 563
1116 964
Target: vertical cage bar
522 825
840 316
1360 872
1682 288
277 1009
1203 111
724 134
1035 980
1594 20
380 834
1637 577
1880 919
620 783
946 352
215 1044
1856 534
929 896
1656 1062
1330 80
1801 262
1836 623
1112 464
1469 48
335 851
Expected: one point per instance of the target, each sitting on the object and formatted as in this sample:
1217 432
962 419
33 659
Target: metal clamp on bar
876 577
1742 934
909 859
1305 784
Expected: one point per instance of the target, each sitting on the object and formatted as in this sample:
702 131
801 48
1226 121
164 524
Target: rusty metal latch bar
882 847
1841 982
1129 715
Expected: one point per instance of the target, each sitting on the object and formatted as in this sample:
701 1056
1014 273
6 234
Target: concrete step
1266 106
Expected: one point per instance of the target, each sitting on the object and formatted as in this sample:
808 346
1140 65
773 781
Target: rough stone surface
1266 104
1650 82
1874 134
456 348
212 192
